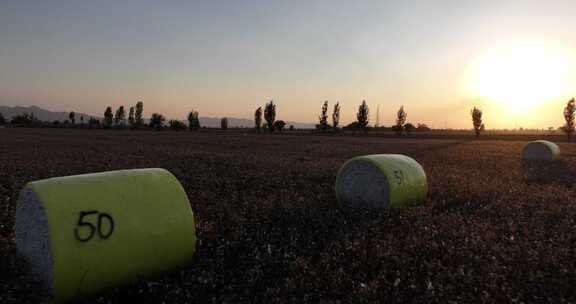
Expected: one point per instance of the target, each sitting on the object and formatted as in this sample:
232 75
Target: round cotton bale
381 181
541 150
87 233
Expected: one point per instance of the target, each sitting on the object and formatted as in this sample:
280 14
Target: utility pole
377 116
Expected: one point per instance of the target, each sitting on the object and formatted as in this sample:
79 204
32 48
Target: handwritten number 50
83 222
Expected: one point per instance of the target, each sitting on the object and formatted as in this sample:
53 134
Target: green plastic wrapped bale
381 181
88 233
541 150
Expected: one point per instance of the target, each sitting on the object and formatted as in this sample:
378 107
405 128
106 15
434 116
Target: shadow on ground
548 172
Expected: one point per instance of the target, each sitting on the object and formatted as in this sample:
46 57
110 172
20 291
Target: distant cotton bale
381 181
87 233
541 150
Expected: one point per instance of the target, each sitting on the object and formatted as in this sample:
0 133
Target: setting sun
522 75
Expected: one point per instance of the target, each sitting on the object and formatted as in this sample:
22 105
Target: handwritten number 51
399 176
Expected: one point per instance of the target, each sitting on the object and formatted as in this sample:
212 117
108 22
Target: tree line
117 119
361 124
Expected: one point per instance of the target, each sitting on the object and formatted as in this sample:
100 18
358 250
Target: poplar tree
224 123
108 117
336 115
477 121
72 117
120 117
400 121
258 119
131 117
323 117
362 117
138 121
569 117
193 120
270 115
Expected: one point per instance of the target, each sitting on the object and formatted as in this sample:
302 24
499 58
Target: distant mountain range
40 113
211 122
214 122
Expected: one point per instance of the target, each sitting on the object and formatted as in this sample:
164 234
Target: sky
438 59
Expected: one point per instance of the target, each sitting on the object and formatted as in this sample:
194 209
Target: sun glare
522 75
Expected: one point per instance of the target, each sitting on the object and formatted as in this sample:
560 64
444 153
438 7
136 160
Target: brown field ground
492 229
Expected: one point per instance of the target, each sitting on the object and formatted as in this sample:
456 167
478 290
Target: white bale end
363 185
540 150
33 239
